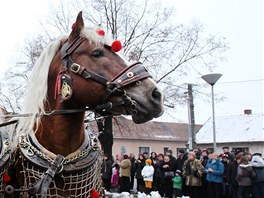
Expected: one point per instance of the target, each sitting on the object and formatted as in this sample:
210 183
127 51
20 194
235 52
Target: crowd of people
197 174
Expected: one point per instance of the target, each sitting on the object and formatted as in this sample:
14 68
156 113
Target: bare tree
149 33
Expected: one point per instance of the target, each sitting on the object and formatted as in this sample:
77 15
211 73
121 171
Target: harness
79 172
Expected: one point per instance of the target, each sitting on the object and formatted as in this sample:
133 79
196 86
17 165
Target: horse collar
39 156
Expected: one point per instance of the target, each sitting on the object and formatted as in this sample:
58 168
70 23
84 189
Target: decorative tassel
6 178
94 194
58 83
100 32
116 46
57 86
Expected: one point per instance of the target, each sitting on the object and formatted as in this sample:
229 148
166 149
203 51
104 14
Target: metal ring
30 153
61 169
130 74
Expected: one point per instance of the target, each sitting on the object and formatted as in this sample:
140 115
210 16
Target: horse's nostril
156 95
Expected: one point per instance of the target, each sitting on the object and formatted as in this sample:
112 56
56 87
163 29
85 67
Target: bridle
115 86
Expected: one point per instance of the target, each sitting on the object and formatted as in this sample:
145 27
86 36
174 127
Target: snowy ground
153 194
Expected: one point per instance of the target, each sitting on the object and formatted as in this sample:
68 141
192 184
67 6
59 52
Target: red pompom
73 25
100 32
6 178
116 46
94 194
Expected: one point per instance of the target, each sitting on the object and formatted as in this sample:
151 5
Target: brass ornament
66 91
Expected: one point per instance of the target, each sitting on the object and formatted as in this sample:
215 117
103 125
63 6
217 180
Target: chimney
248 111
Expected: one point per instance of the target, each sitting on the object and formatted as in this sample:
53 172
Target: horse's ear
76 27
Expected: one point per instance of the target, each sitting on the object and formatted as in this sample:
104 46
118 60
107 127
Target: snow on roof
241 128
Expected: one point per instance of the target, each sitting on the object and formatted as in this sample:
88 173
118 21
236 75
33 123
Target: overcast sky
240 21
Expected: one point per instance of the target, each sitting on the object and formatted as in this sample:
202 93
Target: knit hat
178 171
224 156
148 161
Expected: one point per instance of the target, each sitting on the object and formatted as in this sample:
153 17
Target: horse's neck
61 134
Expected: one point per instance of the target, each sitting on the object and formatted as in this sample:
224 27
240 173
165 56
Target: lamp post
212 79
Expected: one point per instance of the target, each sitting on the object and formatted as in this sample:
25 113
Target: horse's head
92 73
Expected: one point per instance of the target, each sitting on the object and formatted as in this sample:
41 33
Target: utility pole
191 118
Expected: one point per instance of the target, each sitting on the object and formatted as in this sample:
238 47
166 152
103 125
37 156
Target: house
148 137
241 131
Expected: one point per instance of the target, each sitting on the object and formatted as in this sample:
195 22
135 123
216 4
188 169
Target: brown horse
73 73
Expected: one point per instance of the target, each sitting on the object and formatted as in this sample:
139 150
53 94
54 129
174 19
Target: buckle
75 68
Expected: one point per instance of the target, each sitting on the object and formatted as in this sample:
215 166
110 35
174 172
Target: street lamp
212 79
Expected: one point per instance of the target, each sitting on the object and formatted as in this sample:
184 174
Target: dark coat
226 165
106 169
245 174
133 166
232 173
163 170
139 165
180 161
204 161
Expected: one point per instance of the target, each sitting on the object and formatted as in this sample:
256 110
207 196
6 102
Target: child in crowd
115 178
177 184
147 173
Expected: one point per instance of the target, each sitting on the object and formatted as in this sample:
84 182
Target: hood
246 166
257 161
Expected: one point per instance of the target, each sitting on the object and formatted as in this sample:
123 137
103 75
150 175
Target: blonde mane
36 96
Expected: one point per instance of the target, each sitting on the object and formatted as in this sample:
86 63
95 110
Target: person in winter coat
106 172
214 171
139 165
204 160
192 172
177 184
226 162
258 182
125 167
133 169
166 179
147 173
244 177
156 185
115 178
231 176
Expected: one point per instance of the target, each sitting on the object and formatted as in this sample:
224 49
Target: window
165 149
123 150
245 149
143 149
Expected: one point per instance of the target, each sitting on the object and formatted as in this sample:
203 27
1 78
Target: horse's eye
97 53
